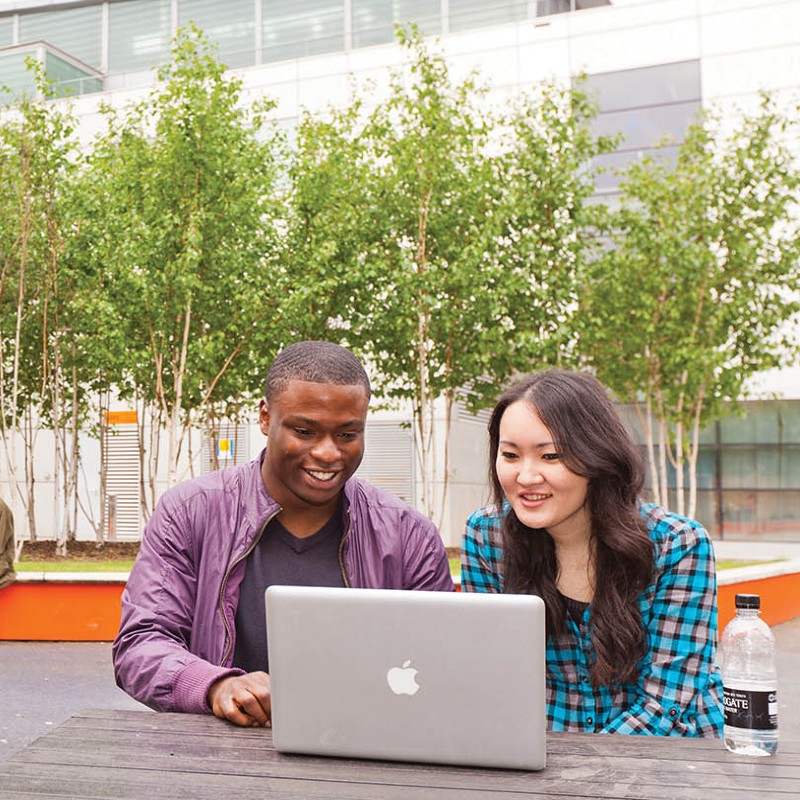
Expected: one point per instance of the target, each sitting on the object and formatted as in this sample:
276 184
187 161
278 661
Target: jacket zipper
228 633
341 550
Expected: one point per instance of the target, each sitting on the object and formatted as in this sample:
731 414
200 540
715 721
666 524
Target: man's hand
243 699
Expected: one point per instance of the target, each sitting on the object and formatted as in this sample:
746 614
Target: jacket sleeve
679 686
426 561
152 654
7 573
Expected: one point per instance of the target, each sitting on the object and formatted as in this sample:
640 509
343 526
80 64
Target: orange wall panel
51 611
90 612
780 598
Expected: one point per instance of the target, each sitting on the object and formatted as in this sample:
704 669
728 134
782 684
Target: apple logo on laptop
402 680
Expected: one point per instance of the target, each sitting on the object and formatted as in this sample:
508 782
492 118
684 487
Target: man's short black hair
315 362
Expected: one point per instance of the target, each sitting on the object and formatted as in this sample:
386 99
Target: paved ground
43 683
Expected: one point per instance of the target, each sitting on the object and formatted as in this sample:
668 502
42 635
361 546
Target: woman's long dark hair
594 443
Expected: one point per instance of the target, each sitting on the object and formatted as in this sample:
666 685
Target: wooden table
139 754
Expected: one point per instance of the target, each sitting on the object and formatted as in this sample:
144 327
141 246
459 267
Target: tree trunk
693 453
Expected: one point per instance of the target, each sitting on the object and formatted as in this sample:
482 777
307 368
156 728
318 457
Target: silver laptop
439 677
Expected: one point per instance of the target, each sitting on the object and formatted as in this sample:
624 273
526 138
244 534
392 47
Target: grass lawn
729 563
124 565
74 566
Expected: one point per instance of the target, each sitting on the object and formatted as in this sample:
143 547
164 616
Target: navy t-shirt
280 558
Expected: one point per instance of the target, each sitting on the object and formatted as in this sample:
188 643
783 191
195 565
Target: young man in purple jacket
193 630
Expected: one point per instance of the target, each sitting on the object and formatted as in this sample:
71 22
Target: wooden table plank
115 784
124 754
226 755
556 742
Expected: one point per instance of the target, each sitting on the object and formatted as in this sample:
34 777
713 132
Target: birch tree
431 227
36 163
184 186
697 292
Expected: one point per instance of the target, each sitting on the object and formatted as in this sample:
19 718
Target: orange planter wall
780 598
90 612
51 611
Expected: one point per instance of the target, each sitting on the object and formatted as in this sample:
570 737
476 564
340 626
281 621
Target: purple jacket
177 631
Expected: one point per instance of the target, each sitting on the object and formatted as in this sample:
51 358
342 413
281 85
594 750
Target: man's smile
320 475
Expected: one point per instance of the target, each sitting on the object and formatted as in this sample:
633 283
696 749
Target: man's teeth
321 476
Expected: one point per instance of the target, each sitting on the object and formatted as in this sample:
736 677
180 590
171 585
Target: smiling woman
615 573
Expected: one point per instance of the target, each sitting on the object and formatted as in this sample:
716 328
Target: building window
6 31
466 14
76 31
645 105
68 77
299 28
140 34
374 20
16 80
231 25
748 472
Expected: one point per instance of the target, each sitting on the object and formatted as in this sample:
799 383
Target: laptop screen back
416 676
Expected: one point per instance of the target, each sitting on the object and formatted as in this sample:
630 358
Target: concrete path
43 683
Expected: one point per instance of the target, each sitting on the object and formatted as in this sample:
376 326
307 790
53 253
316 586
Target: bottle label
753 710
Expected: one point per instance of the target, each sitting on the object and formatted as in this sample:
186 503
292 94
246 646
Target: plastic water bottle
750 681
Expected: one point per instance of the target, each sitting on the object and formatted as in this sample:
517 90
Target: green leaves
450 243
691 300
442 236
186 176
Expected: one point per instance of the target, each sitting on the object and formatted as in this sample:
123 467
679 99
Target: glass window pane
139 35
706 511
545 7
298 28
6 31
789 475
752 467
734 429
774 516
648 86
739 513
767 461
708 435
76 31
647 127
706 467
738 468
374 20
611 163
69 79
230 24
789 420
15 79
779 515
757 422
466 14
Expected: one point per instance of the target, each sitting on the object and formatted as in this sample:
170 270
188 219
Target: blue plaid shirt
679 689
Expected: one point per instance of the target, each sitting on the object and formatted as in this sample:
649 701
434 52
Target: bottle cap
748 601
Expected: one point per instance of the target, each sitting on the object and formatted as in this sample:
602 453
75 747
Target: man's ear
263 416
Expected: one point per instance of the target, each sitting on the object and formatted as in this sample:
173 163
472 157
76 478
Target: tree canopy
696 293
450 242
